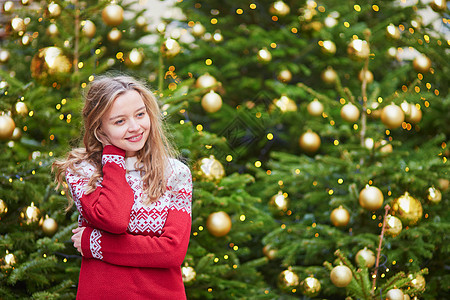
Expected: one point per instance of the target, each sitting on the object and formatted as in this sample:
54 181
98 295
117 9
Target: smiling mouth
135 138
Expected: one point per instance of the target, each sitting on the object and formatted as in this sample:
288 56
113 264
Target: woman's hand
76 238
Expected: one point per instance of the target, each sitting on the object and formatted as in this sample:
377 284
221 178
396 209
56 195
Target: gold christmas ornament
358 49
217 37
315 108
394 294
417 282
284 75
288 280
310 286
114 36
26 2
4 55
30 215
141 21
9 260
7 126
329 76
285 104
17 134
438 5
350 113
52 30
393 226
328 47
50 64
340 217
434 195
392 32
443 184
371 198
392 52
279 8
279 203
135 57
21 108
3 208
415 114
198 29
209 168
3 84
365 257
206 81
218 223
88 28
406 297
188 274
367 75
421 63
392 116
170 48
309 142
269 252
49 226
408 209
54 10
18 24
264 55
341 276
8 7
26 39
112 15
211 102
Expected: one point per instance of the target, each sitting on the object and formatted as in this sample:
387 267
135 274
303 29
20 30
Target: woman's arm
109 206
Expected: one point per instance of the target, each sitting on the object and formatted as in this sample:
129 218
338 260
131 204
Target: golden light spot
199 127
229 158
357 7
208 61
347 24
340 181
257 164
214 21
270 136
294 30
297 171
273 45
239 11
253 6
375 8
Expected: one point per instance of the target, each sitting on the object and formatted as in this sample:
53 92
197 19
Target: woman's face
127 123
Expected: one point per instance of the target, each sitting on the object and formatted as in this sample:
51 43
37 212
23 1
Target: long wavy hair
152 159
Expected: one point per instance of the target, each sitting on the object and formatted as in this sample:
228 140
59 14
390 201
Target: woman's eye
118 122
141 114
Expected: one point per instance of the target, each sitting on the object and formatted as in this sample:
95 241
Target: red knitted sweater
131 250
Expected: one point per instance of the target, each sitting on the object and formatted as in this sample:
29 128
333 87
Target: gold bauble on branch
30 215
3 208
392 32
26 39
264 55
17 134
17 24
88 28
21 108
8 7
134 58
421 63
269 251
279 203
52 30
310 286
112 15
211 102
358 49
350 113
392 116
392 52
54 10
209 168
406 297
415 114
279 8
367 75
8 261
408 209
50 64
443 184
188 274
198 29
340 216
328 47
217 37
434 195
114 35
219 223
170 48
309 142
26 2
4 55
315 108
49 226
371 198
417 282
393 226
288 280
206 81
284 75
7 126
438 5
341 276
394 294
141 22
285 104
329 76
365 257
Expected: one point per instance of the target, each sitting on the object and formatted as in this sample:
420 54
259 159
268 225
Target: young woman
133 197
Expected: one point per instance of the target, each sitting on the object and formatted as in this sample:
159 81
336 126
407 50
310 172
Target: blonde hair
152 158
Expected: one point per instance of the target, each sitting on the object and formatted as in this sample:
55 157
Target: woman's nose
133 125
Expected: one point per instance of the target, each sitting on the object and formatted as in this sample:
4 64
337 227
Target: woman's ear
101 136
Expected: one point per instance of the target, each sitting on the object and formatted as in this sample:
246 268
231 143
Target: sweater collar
130 163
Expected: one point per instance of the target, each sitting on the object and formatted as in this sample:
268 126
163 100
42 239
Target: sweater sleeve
108 207
163 251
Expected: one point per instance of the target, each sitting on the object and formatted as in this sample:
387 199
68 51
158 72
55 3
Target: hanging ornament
358 49
134 58
365 257
279 8
206 81
332 19
371 198
341 276
438 5
264 55
26 2
211 102
329 76
26 39
285 104
210 169
17 134
408 209
415 114
350 113
392 116
392 53
340 217
284 75
367 75
328 47
4 55
114 36
315 108
9 260
7 126
309 142
49 226
188 274
30 215
50 64
3 208
288 280
54 10
443 184
52 30
421 63
3 85
88 28
218 223
434 195
8 7
217 37
310 286
141 22
279 203
393 225
269 251
112 15
394 294
417 282
170 48
392 32
18 24
406 297
198 29
21 108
